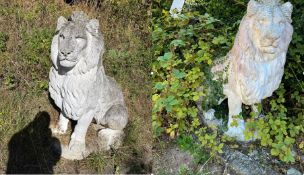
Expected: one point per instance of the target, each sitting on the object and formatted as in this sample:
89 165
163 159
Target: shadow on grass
137 167
33 149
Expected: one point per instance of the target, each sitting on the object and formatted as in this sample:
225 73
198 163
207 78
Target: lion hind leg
116 120
110 138
117 117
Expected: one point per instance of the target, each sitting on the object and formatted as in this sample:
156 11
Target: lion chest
76 94
258 80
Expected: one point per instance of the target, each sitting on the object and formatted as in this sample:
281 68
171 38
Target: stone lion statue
255 65
80 88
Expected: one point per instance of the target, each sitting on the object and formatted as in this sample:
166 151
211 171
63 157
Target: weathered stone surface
171 159
293 171
255 65
242 164
79 87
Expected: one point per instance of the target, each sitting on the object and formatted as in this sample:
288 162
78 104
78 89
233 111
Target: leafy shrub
186 47
184 55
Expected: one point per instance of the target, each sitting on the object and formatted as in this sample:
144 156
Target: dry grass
25 62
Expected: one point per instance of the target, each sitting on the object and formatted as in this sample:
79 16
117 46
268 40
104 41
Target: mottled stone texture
255 64
242 164
79 87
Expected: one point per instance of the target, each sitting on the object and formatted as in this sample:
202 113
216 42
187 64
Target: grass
26 31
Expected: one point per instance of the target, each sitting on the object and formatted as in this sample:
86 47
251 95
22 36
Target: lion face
77 44
72 41
269 24
268 27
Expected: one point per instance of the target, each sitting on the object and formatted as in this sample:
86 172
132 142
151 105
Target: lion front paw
237 132
62 126
76 150
58 131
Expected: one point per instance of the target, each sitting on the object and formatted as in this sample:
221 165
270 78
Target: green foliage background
185 48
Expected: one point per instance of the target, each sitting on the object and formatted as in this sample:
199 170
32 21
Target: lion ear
61 22
252 7
93 26
287 10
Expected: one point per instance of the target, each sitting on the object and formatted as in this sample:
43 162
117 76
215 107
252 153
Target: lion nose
273 36
65 53
273 33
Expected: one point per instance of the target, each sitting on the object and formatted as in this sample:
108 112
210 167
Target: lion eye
79 38
61 36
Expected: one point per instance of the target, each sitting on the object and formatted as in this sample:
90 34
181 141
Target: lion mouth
270 49
63 58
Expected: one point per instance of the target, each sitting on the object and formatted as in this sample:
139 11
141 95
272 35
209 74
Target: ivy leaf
289 140
175 86
195 98
274 152
289 157
177 42
178 74
155 97
234 123
219 40
165 57
159 86
172 101
210 19
169 102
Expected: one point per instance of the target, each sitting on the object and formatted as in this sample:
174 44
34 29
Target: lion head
77 44
265 31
